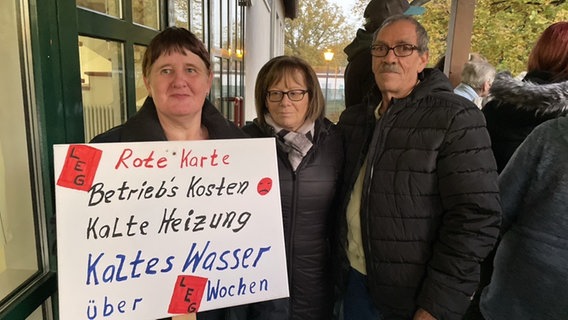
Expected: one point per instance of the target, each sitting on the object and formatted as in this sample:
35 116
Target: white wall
264 39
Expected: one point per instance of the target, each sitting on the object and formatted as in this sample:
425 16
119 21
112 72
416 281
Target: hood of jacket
534 93
362 42
431 80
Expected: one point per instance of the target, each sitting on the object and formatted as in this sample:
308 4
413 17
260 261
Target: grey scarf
295 143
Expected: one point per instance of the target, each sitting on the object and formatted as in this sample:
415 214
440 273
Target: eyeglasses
294 95
400 50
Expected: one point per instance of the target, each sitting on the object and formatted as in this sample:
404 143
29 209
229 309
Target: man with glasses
421 204
358 74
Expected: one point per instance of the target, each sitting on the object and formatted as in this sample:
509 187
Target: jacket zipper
293 213
377 151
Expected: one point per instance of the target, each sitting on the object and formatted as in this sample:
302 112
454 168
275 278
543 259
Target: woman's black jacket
308 203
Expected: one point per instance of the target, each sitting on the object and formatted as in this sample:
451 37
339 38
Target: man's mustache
384 68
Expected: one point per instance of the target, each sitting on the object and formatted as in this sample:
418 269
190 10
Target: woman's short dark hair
276 69
174 39
550 53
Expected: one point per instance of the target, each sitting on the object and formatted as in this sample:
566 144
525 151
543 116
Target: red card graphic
80 167
187 294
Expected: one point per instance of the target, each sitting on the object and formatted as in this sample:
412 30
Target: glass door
22 226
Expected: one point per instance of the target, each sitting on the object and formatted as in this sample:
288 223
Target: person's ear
209 83
424 57
147 85
486 87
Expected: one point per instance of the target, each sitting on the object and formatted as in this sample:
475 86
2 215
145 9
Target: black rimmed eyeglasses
294 95
400 50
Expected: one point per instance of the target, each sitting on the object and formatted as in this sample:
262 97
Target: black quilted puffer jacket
309 200
430 210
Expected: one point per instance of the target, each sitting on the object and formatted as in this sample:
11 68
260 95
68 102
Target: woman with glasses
290 108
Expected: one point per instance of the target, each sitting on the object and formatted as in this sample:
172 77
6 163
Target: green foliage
359 7
319 26
436 20
504 31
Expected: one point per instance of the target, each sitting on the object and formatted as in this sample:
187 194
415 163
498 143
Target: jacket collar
145 126
431 81
533 93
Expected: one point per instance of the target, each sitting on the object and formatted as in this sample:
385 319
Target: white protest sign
145 230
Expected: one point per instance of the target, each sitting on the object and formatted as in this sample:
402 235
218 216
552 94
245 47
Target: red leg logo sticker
187 294
264 186
80 167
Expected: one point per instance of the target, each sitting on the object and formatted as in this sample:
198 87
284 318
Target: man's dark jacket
430 209
309 201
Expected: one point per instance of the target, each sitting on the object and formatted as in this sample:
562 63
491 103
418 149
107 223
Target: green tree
319 26
436 21
359 9
503 31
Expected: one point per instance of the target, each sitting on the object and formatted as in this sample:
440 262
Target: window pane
141 92
110 7
225 88
102 78
239 90
197 14
180 13
227 20
39 313
233 74
216 24
239 41
146 13
216 86
19 253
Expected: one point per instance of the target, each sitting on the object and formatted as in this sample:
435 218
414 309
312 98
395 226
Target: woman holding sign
178 77
290 108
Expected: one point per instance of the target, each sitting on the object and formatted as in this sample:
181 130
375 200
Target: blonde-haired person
290 107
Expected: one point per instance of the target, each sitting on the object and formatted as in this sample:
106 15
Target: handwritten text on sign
151 229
